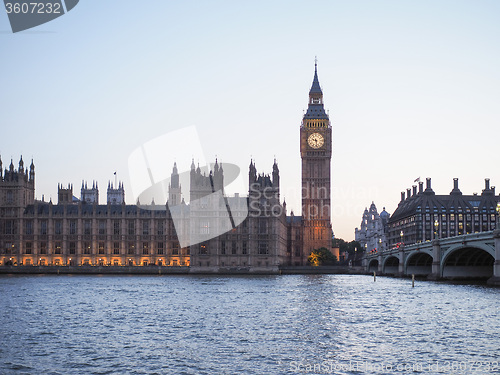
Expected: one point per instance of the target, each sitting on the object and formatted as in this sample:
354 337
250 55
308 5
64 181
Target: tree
321 257
353 249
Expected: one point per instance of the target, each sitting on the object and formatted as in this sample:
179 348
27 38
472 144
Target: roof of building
315 88
453 203
316 111
294 219
43 209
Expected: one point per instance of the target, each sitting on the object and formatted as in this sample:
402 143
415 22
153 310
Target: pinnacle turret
315 110
21 165
315 88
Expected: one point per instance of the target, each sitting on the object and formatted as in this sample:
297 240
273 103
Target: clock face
315 140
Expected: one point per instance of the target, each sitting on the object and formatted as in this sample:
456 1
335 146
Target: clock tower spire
316 155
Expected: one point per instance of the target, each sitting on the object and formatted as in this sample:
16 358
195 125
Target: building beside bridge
451 236
422 215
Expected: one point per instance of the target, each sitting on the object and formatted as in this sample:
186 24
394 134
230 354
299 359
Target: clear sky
413 89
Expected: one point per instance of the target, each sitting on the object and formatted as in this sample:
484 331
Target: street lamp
498 215
401 234
380 244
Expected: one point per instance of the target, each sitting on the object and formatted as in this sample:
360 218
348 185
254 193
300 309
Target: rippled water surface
317 324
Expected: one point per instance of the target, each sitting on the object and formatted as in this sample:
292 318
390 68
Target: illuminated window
86 248
204 249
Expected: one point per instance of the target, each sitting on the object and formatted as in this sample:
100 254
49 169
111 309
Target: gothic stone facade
83 232
255 234
372 233
316 154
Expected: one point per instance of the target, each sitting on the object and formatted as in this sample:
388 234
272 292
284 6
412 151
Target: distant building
422 215
372 234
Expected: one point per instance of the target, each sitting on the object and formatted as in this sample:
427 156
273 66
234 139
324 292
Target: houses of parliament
82 232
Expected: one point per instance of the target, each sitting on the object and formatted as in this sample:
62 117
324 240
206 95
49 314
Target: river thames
294 324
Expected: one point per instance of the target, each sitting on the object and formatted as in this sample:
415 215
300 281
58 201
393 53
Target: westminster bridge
474 255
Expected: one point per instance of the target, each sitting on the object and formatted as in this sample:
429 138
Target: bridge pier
436 261
380 265
401 265
495 279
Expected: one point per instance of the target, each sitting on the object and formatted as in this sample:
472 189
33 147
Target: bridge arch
419 263
373 265
468 261
391 265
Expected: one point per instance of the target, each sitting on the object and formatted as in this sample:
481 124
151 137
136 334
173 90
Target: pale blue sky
413 89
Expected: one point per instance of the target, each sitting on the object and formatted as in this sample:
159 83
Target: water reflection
251 325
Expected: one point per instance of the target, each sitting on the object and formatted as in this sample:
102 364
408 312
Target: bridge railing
428 244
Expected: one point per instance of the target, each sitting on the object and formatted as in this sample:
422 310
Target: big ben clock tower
316 154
